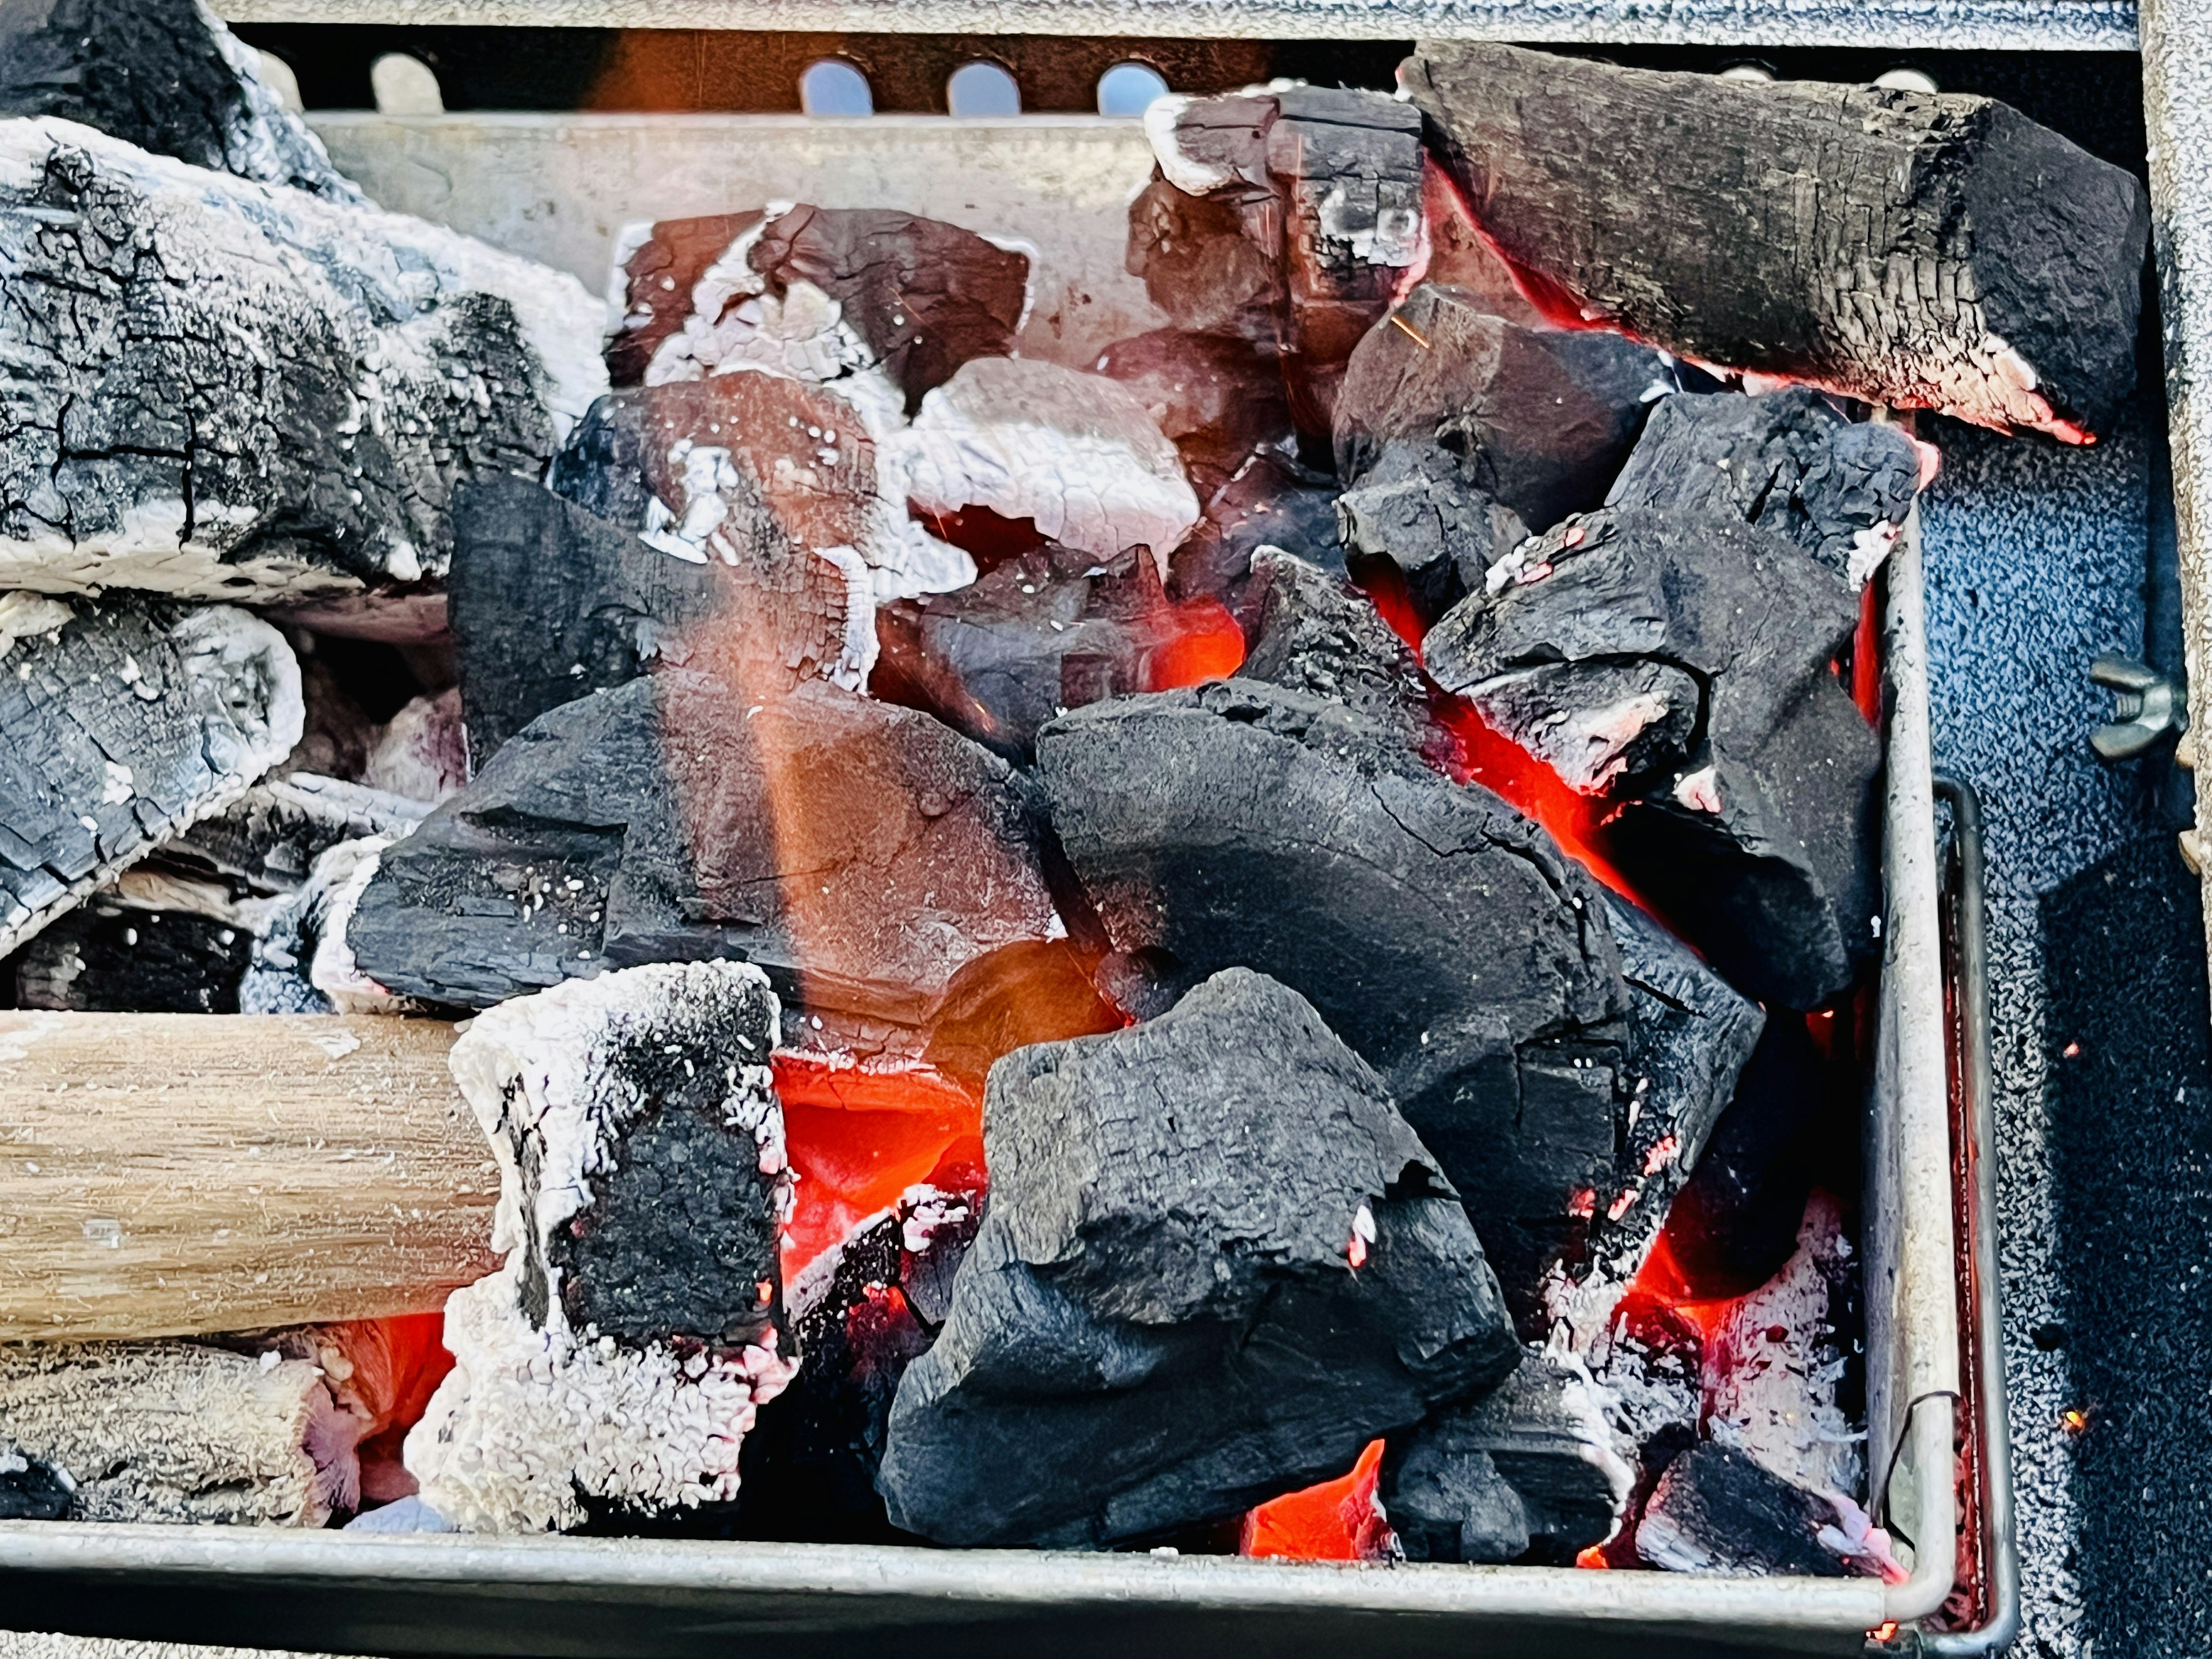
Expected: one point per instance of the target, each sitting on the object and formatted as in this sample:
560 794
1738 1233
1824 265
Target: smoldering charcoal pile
1055 951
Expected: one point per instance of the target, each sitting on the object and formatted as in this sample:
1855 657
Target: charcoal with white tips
1920 250
1170 1316
153 442
118 728
613 1365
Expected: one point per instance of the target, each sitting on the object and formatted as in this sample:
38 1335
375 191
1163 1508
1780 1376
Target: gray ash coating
680 1238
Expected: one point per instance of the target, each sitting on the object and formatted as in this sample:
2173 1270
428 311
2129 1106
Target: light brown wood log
166 1175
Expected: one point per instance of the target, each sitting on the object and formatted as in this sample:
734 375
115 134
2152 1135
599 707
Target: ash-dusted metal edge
1995 25
547 1596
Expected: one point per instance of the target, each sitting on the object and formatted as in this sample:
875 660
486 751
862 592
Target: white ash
179 1432
1078 454
141 723
22 615
366 362
535 1413
266 141
301 962
423 752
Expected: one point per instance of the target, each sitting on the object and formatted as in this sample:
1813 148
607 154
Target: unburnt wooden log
225 389
1920 250
173 1174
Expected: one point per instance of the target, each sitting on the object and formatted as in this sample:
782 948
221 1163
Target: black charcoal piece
1788 461
1765 226
1714 1510
152 445
1217 397
1446 939
550 603
1312 631
1271 501
120 725
862 1314
1414 507
109 958
1527 1472
1172 1314
1607 727
267 840
1537 421
820 292
164 75
617 1358
864 854
1756 839
32 1489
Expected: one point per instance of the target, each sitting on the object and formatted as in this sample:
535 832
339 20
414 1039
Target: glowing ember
1338 1520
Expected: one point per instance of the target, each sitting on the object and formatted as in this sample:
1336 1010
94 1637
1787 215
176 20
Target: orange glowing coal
1335 1520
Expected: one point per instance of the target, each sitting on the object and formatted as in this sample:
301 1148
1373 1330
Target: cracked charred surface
818 293
616 1361
220 389
166 75
863 853
1118 1363
1919 250
1312 631
121 726
1756 836
1444 937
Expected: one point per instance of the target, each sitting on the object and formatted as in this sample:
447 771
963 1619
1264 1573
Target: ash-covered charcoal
421 753
862 1314
1527 1472
302 962
1788 461
179 1431
166 75
151 443
1457 430
107 958
1312 631
1041 634
1272 501
1714 1510
615 1362
863 853
818 294
794 489
1920 250
1444 938
1077 455
1172 1315
266 841
1218 398
32 1489
1757 839
1290 218
120 725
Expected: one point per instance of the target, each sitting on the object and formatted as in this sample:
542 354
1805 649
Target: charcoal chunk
1527 1472
154 444
863 1315
1757 839
864 854
1622 194
1414 508
818 293
120 725
1445 938
1604 727
1271 501
1788 461
105 958
166 75
266 841
1714 1510
1216 398
1172 1314
1311 631
619 1355
32 1489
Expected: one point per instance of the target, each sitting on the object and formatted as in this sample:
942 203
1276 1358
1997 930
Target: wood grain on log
179 1174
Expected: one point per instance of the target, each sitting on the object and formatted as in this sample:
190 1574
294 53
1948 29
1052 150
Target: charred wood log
1172 1315
1787 461
617 1359
154 441
164 75
1755 836
817 293
1918 250
121 726
864 854
301 962
32 1489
